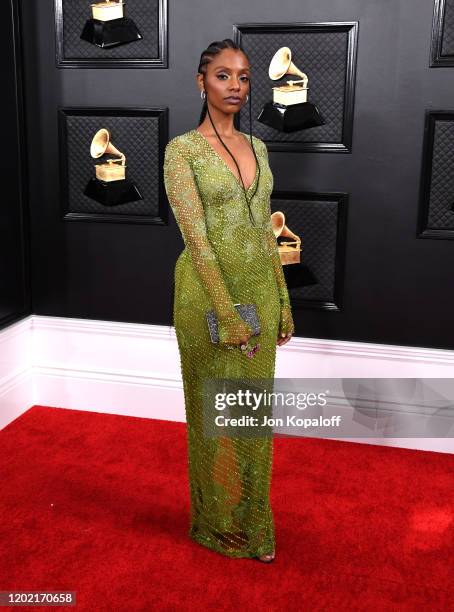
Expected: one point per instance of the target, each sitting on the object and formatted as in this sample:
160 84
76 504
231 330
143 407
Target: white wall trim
134 369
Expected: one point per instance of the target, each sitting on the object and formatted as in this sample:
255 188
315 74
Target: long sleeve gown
226 260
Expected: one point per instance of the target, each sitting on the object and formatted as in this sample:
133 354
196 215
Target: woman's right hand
234 333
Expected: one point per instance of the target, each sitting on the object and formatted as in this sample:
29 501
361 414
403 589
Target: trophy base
113 192
291 118
298 275
107 34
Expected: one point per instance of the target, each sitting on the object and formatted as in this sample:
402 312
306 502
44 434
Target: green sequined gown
226 260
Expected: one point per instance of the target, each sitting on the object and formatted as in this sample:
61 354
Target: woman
230 257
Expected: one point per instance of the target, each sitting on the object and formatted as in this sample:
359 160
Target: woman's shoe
267 558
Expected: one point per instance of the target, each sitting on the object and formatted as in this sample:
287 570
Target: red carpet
99 504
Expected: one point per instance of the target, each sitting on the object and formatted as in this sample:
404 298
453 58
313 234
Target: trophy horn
101 144
281 64
277 222
289 250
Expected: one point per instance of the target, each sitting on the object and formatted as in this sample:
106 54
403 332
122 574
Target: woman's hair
206 57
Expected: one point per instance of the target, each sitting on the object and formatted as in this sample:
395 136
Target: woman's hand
234 333
286 326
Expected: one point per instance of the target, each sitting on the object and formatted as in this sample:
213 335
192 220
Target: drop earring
247 97
203 94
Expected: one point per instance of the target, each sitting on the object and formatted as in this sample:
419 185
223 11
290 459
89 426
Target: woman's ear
199 81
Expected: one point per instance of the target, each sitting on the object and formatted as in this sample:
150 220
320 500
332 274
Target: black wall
397 289
14 277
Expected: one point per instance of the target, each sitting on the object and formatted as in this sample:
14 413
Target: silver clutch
248 312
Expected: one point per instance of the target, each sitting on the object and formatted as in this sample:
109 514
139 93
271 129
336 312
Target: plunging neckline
225 163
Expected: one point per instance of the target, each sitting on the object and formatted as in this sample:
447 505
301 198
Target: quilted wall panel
139 137
320 221
437 178
148 15
326 53
447 46
442 51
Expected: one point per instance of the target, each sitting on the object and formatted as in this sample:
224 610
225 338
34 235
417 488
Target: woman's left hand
283 339
286 326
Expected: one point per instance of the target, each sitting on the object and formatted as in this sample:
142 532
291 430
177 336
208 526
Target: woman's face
227 78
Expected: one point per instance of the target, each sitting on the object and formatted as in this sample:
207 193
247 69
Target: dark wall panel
390 286
14 279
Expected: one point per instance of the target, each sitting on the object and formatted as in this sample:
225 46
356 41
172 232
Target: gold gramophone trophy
108 26
289 111
110 187
289 244
299 274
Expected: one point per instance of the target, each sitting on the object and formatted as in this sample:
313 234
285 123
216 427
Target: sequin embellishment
225 261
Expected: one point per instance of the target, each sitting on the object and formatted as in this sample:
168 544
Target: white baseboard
16 384
134 369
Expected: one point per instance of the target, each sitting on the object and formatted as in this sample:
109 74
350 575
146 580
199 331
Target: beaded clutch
248 312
